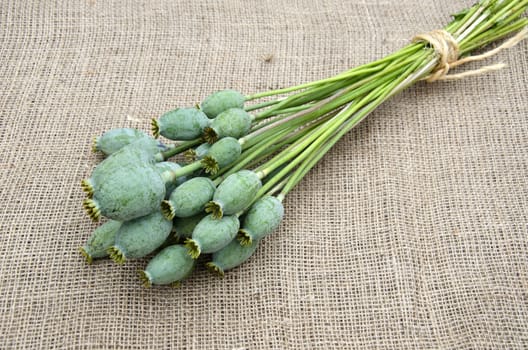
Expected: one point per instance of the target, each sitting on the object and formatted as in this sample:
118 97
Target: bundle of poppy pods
239 159
185 211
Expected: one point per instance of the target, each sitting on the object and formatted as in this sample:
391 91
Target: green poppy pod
220 101
180 124
211 235
234 122
184 227
140 237
171 185
192 155
262 218
234 194
230 257
189 198
113 140
101 239
129 192
144 150
221 154
169 266
202 150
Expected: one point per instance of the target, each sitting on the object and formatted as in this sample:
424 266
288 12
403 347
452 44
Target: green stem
492 19
181 147
338 99
363 69
277 187
285 111
383 93
457 28
260 105
169 176
328 91
248 155
499 33
265 148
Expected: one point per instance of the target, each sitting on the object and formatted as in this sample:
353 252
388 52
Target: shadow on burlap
411 233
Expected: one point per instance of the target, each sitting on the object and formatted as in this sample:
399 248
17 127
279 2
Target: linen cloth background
411 233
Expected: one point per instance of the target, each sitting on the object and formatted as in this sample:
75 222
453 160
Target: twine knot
448 50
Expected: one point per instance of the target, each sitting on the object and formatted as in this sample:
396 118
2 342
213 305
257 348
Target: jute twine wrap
448 54
410 234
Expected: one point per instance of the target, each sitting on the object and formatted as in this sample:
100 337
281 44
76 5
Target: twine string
447 49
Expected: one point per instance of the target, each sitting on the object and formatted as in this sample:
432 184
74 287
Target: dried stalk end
244 238
154 127
87 187
167 210
86 256
190 156
116 255
215 209
209 135
217 270
176 284
210 165
92 209
95 142
193 248
145 279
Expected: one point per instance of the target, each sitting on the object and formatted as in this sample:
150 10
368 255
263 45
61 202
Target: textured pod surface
211 235
225 151
189 198
170 166
234 122
113 140
221 154
139 237
202 150
231 256
181 124
129 192
144 150
184 227
220 101
234 194
170 265
262 218
101 239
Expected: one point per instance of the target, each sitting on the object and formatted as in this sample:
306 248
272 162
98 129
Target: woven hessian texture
411 233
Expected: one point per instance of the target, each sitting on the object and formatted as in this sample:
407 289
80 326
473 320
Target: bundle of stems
307 120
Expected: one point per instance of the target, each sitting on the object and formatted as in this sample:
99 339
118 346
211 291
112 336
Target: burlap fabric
411 233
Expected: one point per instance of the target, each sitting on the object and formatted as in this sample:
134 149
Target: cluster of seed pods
171 213
215 204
